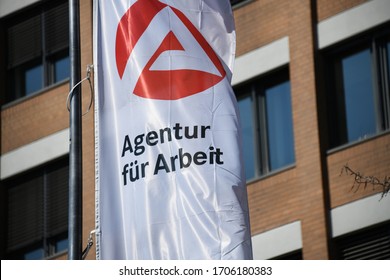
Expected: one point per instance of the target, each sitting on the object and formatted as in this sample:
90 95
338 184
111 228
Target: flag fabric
169 174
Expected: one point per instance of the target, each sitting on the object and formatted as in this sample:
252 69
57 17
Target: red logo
180 64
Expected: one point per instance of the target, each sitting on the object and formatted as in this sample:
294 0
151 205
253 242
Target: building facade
312 80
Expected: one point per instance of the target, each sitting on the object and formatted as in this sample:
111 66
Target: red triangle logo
178 67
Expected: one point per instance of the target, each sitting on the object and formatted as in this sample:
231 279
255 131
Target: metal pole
75 152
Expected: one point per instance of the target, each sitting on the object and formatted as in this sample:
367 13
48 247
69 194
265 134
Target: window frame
256 88
50 236
360 244
14 88
375 41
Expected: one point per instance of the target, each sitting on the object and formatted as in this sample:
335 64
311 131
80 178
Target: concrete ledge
278 241
352 22
34 154
9 6
261 60
360 214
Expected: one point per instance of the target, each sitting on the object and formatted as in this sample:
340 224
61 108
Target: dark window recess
266 123
235 2
358 95
370 244
37 52
37 212
295 255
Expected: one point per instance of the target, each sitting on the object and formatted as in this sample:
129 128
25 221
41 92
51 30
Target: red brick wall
370 158
46 113
307 150
291 195
328 8
34 118
295 194
298 193
260 23
88 128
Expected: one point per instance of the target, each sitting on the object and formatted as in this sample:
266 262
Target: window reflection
246 114
266 123
358 94
36 254
357 80
33 79
61 69
279 126
61 245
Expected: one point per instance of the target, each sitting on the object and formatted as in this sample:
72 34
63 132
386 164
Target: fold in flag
169 172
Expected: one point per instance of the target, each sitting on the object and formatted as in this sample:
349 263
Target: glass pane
33 79
61 245
36 254
279 126
246 114
358 94
61 69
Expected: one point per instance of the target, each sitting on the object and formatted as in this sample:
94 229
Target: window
36 212
295 255
368 244
358 91
236 2
266 123
37 49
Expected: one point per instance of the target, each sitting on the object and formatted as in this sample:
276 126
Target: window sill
57 255
32 95
271 174
356 143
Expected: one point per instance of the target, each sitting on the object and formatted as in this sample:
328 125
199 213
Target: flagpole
75 151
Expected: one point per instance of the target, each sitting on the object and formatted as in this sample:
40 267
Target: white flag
169 173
